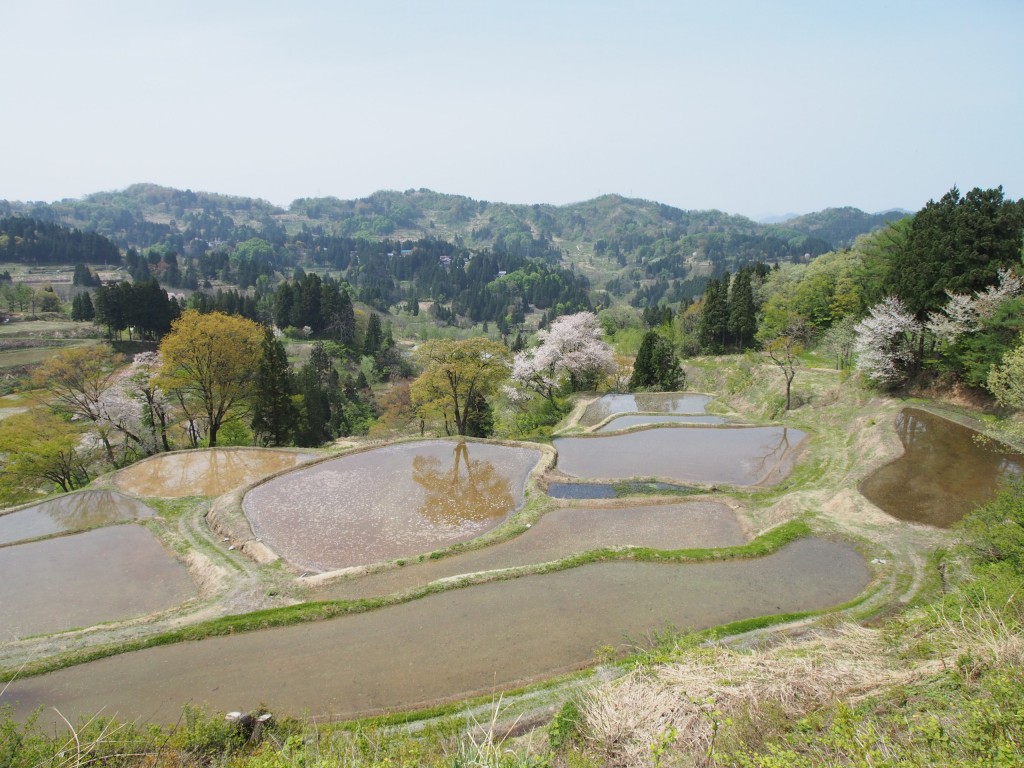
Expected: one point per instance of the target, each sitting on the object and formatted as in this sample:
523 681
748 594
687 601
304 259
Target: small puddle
943 474
87 578
209 472
639 419
561 533
728 455
391 502
447 646
644 402
74 512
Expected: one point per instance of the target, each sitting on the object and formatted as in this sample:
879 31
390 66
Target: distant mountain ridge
604 234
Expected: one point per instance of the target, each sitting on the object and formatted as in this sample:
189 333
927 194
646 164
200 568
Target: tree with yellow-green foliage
1006 381
454 374
76 380
40 448
210 362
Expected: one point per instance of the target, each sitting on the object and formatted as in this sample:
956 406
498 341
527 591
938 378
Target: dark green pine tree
656 366
88 310
714 317
274 413
479 416
742 310
314 424
284 302
346 320
374 335
957 244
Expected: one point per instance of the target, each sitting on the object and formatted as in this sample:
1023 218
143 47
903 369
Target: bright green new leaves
212 360
456 372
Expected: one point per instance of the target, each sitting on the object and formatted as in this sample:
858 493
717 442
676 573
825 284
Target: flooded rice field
650 402
449 645
615 490
391 502
581 491
86 578
565 532
204 472
641 419
73 512
729 455
944 471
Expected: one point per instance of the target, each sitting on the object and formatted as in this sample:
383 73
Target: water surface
729 455
643 402
209 472
391 502
450 645
86 578
74 512
943 473
581 491
565 532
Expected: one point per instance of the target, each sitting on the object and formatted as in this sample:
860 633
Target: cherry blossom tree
137 407
966 313
886 341
571 353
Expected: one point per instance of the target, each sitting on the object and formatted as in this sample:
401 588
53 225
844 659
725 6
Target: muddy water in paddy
943 473
204 473
561 533
636 420
653 402
391 502
80 580
449 645
74 512
728 455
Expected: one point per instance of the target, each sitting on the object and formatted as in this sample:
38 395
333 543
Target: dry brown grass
680 708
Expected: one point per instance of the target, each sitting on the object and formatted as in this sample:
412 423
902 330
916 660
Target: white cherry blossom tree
966 313
571 352
886 341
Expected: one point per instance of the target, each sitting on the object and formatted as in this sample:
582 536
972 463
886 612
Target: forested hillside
623 231
31 241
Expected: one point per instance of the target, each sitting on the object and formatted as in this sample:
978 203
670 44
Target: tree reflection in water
470 491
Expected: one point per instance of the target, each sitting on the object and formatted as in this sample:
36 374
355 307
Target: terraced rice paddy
741 456
944 472
449 645
204 473
73 512
80 580
653 402
392 502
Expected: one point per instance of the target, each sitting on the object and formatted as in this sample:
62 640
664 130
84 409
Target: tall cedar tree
274 412
714 318
656 365
479 416
742 311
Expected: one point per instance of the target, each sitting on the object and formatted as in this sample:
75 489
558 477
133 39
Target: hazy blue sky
748 107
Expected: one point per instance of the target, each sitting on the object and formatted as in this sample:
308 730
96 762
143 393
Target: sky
754 108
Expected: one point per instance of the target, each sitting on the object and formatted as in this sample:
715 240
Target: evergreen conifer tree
274 413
